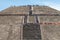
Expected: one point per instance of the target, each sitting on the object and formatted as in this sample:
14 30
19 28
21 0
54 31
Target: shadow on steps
31 31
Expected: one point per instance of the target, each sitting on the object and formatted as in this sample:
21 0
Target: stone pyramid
23 23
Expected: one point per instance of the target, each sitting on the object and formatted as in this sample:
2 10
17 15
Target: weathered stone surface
50 32
11 27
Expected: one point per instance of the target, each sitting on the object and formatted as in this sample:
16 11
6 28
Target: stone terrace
11 27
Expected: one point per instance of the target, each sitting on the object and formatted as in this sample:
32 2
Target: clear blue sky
7 3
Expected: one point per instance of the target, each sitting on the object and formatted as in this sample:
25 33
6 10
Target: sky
51 3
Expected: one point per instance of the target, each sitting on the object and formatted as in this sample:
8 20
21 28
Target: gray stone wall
11 27
50 31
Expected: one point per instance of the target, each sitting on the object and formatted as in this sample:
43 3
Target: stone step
31 31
